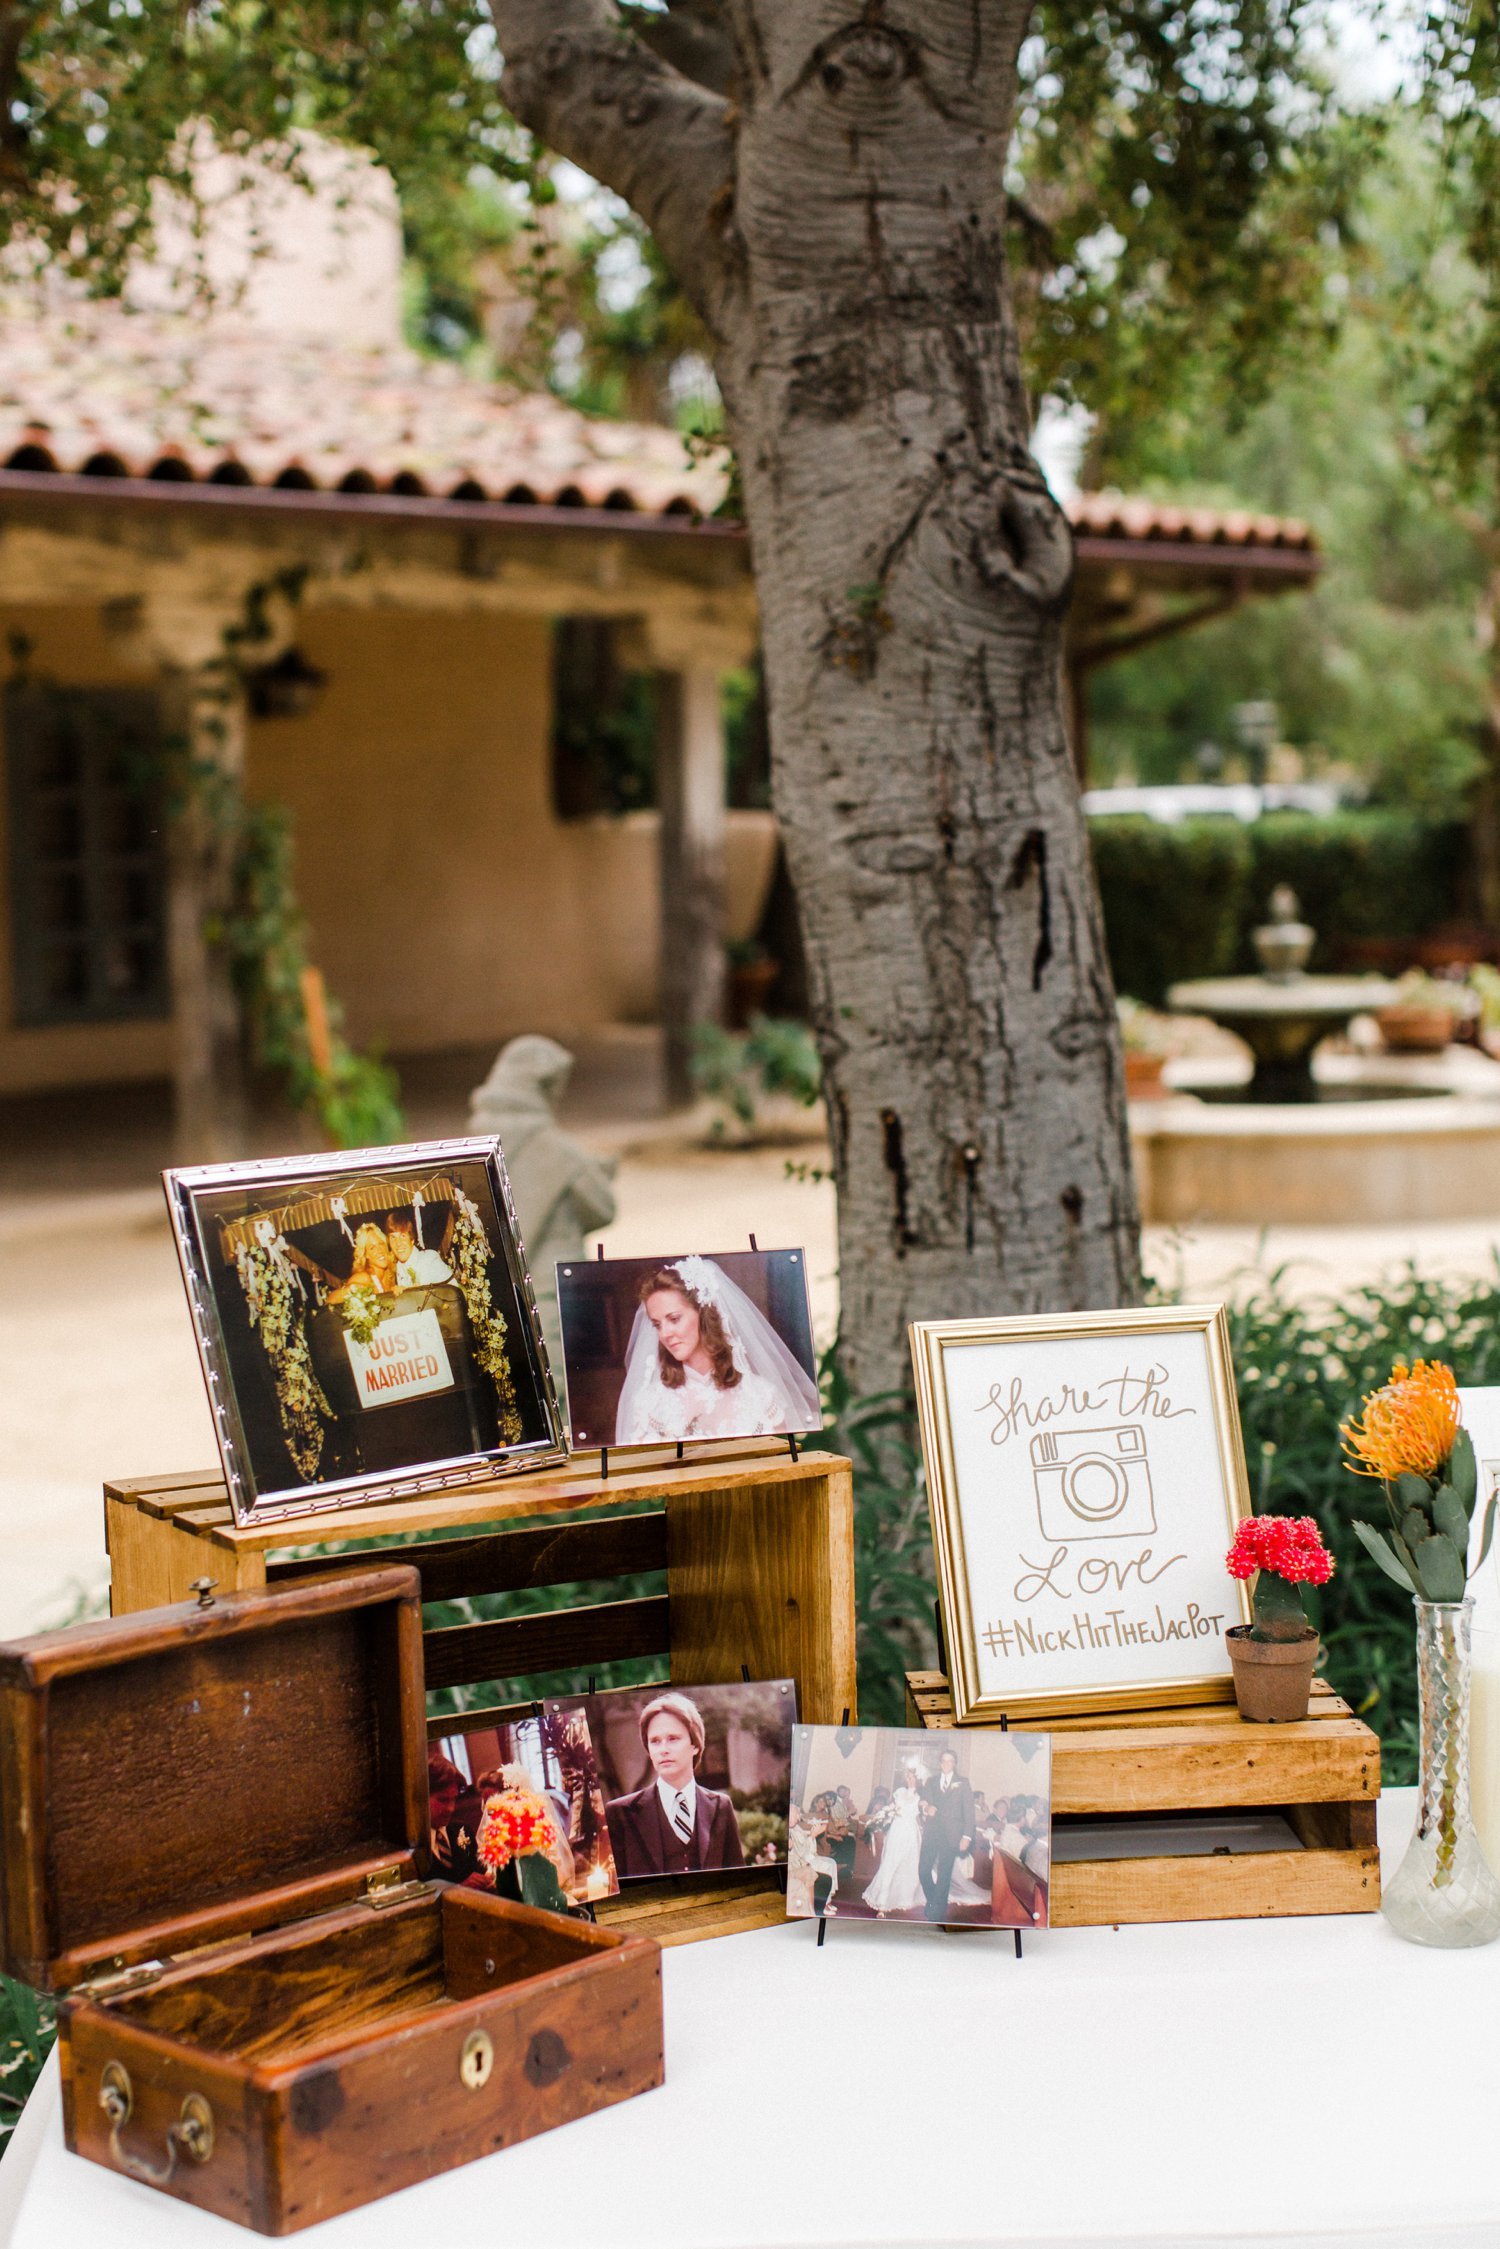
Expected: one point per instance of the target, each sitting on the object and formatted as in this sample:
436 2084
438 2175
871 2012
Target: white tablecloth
1312 2081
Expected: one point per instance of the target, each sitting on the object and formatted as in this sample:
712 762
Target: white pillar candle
1484 1740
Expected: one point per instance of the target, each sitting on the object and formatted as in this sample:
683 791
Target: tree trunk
841 228
913 573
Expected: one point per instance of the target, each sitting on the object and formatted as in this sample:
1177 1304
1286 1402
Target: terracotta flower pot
750 985
1272 1678
1416 1030
1143 1075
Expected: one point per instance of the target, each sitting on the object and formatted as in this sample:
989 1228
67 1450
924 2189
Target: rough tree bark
839 221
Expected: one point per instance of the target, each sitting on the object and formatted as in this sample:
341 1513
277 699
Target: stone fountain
1284 1014
1345 1144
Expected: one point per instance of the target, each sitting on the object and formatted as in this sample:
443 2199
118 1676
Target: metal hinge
385 1887
120 1978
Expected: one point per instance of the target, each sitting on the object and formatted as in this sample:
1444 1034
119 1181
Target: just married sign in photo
1085 1472
365 1322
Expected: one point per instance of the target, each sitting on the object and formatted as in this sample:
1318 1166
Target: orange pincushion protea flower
1409 1424
514 1823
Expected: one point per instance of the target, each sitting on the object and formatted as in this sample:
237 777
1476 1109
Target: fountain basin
1282 1020
1358 1160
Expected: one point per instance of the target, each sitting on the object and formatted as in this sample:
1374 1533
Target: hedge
1181 901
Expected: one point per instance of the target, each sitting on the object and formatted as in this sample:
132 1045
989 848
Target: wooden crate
756 1550
1322 1776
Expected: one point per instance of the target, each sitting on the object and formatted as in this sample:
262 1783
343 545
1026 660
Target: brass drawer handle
192 2134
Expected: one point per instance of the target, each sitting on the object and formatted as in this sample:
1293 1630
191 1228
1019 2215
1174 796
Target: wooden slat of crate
1322 1775
929 1702
512 1647
683 1912
756 1548
515 1561
1244 1886
508 1499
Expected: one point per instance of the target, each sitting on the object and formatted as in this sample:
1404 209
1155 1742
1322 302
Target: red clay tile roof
1114 515
100 391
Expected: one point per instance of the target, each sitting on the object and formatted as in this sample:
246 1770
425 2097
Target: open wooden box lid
201 1771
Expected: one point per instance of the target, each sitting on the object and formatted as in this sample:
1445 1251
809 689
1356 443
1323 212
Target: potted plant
1411 1439
1273 1657
752 973
1149 1041
1425 1016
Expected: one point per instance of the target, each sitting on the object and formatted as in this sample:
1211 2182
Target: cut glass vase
1444 1892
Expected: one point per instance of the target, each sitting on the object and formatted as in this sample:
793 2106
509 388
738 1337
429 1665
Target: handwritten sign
405 1358
1084 1474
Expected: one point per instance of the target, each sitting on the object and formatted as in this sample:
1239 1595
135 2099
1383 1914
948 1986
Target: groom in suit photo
947 1832
674 1825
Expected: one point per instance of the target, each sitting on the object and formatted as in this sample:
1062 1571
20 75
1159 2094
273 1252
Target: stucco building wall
447 903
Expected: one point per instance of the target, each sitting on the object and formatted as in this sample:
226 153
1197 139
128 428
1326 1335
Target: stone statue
561 1192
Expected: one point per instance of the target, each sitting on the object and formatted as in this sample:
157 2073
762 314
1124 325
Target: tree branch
692 36
585 86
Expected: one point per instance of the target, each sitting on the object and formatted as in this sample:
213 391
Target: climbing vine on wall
354 1095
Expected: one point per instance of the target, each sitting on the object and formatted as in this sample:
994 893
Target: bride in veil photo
703 1361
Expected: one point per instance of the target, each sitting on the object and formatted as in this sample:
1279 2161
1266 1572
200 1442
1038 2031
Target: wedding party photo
518 1810
695 1779
363 1320
677 1350
951 1828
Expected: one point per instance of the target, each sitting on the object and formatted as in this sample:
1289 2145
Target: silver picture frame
191 1189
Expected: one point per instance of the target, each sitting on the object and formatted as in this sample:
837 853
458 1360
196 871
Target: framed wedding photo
688 1350
950 1827
695 1779
1085 1473
366 1324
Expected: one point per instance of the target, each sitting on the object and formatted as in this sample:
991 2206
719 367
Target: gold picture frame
1059 1485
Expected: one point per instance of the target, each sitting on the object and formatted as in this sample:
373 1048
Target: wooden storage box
212 1836
1134 1769
749 1554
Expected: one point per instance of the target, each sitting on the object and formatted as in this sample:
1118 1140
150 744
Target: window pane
64 903
127 895
59 762
88 873
65 977
60 828
127 822
142 966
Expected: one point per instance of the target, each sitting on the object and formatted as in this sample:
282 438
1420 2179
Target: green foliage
1370 873
1377 671
28 2026
611 744
1184 190
354 1096
1175 898
894 1588
1181 901
739 1069
1302 1370
1446 316
1425 1548
357 1097
94 95
762 1836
